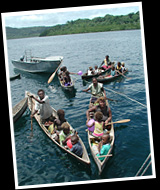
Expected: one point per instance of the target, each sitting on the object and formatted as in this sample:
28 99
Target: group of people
64 76
119 69
99 127
59 127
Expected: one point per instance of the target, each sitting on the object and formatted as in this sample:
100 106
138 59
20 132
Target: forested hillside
13 33
98 24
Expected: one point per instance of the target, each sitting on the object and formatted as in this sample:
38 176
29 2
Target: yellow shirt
98 129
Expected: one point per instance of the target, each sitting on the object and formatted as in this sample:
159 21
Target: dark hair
40 90
99 116
94 78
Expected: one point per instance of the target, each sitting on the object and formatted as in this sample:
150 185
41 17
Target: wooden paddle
31 113
53 75
120 121
109 155
124 75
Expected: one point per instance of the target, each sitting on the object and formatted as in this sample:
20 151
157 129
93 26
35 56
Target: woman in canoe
102 107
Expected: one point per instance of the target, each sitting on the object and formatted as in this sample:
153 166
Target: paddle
31 113
123 75
120 121
109 155
53 75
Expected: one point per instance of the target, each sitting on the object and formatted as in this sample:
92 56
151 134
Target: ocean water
39 161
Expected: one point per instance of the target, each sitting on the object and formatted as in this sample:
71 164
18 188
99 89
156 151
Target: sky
53 17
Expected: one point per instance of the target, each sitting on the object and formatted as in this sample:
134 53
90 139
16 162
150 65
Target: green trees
98 24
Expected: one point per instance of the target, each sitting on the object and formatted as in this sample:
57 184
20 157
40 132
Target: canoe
19 109
84 160
68 88
37 64
86 76
110 78
18 76
101 164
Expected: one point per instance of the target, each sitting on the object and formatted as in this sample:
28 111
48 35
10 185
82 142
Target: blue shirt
113 72
77 149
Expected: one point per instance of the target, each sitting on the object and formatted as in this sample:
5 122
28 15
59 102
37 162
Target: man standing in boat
42 106
97 90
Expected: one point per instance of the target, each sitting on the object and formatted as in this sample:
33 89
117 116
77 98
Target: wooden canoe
87 77
68 88
18 76
101 164
84 160
19 109
110 78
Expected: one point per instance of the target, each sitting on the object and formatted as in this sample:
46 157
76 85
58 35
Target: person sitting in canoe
76 146
106 62
96 70
98 124
112 73
102 107
65 134
67 79
42 107
123 67
90 71
103 147
60 120
97 90
119 67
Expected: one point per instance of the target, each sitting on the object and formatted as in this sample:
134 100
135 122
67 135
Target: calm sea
39 161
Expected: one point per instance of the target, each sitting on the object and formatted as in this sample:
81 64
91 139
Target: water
39 161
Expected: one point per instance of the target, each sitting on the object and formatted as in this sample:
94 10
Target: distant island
98 24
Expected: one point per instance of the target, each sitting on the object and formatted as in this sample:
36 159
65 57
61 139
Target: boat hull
101 165
84 160
19 109
85 76
39 66
111 78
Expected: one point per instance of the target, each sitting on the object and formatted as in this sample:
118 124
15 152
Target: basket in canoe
84 160
110 78
19 109
87 77
92 140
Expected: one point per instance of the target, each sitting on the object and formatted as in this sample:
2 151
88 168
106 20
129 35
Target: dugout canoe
19 109
18 76
101 164
84 160
87 77
67 88
110 78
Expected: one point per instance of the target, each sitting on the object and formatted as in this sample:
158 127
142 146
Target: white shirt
44 109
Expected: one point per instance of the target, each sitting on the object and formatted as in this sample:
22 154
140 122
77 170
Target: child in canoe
76 146
55 125
102 147
65 134
98 124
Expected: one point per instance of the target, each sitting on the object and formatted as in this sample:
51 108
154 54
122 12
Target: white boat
36 64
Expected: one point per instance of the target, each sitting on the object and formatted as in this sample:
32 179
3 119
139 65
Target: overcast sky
53 17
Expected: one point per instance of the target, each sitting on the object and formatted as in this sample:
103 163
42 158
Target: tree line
98 24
